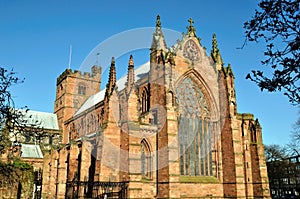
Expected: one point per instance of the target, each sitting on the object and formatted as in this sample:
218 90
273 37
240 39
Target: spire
191 30
130 74
131 63
158 40
215 52
111 78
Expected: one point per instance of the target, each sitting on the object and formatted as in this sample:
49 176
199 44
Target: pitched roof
139 73
43 119
31 151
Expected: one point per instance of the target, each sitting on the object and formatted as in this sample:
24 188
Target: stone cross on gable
191 22
191 30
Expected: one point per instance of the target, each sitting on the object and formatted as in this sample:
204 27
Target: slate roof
31 151
139 73
45 120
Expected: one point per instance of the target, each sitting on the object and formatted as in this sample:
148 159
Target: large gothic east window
195 140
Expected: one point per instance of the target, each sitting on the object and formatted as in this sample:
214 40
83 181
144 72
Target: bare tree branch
277 23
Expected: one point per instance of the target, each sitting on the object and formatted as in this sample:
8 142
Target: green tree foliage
277 23
14 174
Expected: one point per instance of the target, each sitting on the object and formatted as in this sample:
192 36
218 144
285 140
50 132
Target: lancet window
145 101
145 159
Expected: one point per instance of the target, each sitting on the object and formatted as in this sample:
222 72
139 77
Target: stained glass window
195 143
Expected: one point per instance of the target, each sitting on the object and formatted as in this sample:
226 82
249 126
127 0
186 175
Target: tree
277 23
13 121
294 144
275 152
7 79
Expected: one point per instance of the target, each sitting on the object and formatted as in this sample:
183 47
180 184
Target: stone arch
170 98
145 100
199 80
146 162
253 134
197 126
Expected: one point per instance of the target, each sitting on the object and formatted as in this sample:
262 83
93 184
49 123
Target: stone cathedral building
168 129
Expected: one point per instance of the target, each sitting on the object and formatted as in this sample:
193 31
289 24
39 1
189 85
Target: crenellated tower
72 89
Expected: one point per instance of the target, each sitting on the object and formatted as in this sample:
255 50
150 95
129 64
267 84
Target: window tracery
195 136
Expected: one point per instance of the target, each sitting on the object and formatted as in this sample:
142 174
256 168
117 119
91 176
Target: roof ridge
120 83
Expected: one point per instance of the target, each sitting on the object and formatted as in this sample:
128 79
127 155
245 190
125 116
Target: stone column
52 175
62 174
173 146
46 174
238 159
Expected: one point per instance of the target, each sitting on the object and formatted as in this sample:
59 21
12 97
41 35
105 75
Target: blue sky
35 38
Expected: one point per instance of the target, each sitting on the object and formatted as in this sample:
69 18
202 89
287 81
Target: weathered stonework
172 133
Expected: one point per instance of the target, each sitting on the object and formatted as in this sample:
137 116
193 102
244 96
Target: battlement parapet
245 116
94 74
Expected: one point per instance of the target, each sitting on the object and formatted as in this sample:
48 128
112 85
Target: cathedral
167 129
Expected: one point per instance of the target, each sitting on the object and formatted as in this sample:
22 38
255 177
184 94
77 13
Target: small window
27 138
81 89
50 139
75 104
145 101
145 159
285 180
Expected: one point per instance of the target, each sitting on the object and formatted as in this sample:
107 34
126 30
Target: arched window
252 133
88 126
145 101
145 159
92 123
76 104
194 130
81 89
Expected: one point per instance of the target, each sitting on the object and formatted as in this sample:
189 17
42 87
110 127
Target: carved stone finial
158 41
113 60
131 62
257 124
158 23
214 43
191 22
130 75
112 77
215 52
191 29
